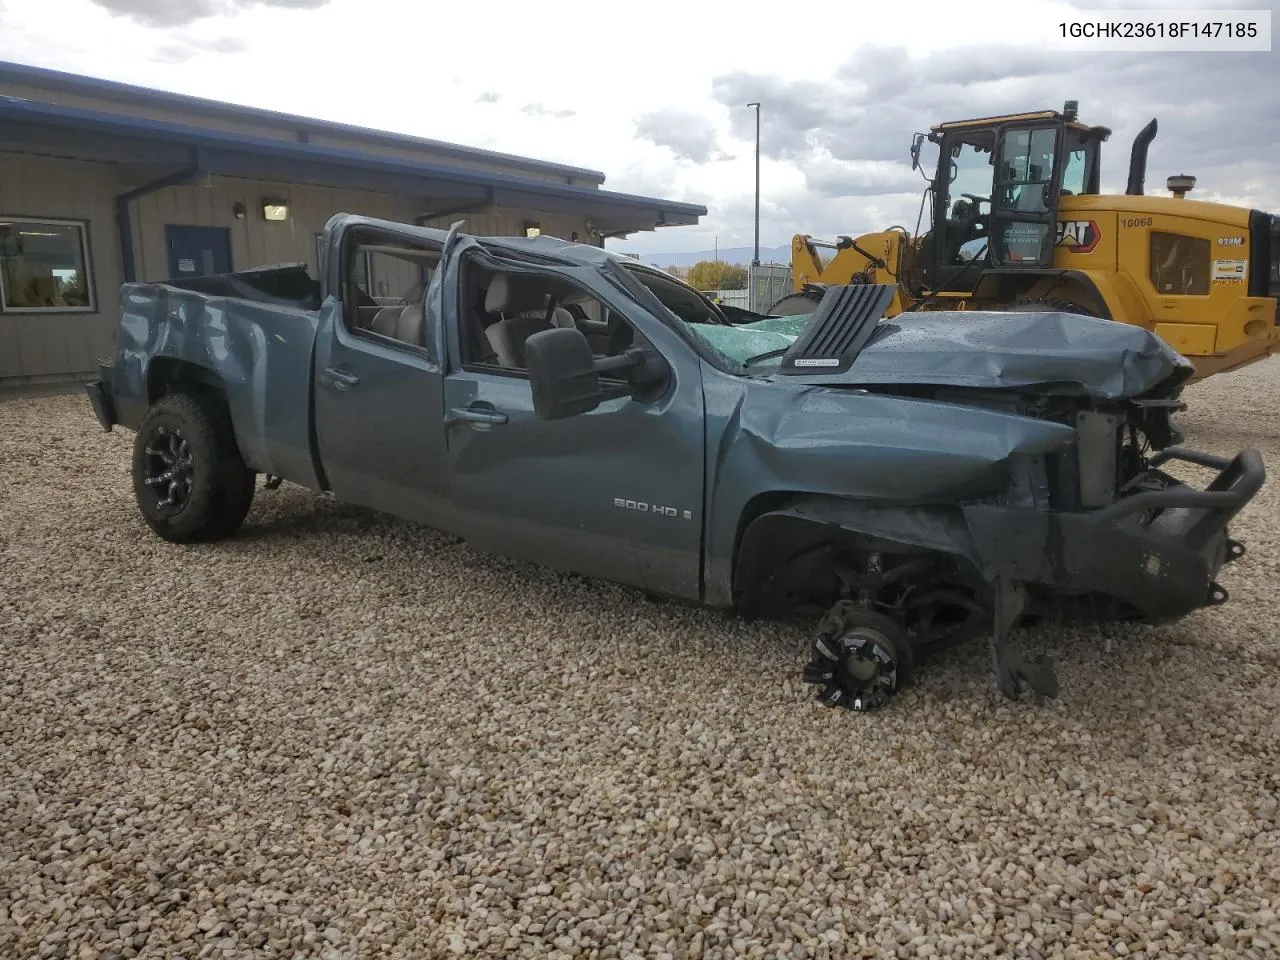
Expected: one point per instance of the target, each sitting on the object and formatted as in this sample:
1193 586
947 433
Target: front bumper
1157 552
104 407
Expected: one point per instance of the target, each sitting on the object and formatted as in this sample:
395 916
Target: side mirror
566 377
916 142
562 372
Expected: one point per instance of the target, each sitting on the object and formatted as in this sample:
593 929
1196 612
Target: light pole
755 260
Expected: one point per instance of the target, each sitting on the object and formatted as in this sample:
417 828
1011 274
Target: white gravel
341 736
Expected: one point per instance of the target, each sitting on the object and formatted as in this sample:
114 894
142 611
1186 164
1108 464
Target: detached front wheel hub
860 659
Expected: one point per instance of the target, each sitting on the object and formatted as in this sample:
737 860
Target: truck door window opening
386 289
500 310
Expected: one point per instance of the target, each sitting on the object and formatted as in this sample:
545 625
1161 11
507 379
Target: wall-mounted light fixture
275 208
532 229
237 210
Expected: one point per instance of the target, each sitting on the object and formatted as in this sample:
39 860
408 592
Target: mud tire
190 436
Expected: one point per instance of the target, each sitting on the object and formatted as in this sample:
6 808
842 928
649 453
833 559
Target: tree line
711 275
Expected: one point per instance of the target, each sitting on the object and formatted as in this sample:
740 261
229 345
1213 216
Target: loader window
1073 172
1027 162
970 170
965 229
1079 162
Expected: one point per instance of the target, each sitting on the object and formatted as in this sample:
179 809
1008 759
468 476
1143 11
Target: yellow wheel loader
1017 222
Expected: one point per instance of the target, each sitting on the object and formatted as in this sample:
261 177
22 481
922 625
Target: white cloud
167 13
613 91
690 136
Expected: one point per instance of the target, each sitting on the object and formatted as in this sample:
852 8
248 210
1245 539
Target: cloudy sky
654 94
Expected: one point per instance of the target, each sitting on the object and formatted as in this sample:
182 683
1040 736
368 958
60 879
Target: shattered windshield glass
754 346
746 348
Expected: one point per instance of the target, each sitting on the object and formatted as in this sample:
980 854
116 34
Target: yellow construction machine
1017 222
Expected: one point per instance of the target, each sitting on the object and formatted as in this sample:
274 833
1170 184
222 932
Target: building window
44 266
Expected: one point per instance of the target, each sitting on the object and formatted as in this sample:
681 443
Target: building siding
257 242
254 241
52 343
70 345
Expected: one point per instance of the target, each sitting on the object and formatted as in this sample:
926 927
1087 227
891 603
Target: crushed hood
1049 352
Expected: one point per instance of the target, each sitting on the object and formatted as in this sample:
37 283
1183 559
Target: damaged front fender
875 454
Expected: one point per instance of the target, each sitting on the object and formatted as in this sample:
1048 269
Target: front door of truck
378 385
615 493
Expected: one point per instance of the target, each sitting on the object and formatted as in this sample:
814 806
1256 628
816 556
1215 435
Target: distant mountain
738 255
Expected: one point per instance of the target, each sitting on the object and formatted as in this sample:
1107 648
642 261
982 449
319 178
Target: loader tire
189 480
1046 304
794 305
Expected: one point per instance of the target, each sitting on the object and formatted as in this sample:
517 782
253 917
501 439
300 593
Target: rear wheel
189 480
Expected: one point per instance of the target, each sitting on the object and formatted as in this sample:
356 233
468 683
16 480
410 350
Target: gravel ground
340 736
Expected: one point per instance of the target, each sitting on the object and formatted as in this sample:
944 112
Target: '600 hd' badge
641 507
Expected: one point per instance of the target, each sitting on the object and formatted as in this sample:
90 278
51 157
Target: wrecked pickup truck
923 480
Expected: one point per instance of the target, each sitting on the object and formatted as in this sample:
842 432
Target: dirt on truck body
915 482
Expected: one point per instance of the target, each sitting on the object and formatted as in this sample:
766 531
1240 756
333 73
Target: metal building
102 182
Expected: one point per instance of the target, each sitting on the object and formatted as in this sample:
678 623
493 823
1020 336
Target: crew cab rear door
377 376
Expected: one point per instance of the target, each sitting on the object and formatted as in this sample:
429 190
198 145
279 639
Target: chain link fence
766 285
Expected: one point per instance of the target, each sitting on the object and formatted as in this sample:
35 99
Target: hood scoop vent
840 328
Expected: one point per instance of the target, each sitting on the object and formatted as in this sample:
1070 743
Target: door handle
476 414
340 378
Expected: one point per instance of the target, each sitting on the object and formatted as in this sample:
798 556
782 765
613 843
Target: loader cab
996 191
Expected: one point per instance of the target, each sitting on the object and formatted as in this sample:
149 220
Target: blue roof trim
58 79
32 111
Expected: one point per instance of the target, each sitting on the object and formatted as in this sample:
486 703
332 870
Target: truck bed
255 330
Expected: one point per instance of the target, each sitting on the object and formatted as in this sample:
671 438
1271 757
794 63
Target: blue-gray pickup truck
912 482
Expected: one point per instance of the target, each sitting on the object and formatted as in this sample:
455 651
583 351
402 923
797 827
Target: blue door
197 251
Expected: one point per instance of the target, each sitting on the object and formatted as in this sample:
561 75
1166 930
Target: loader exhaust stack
1138 159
